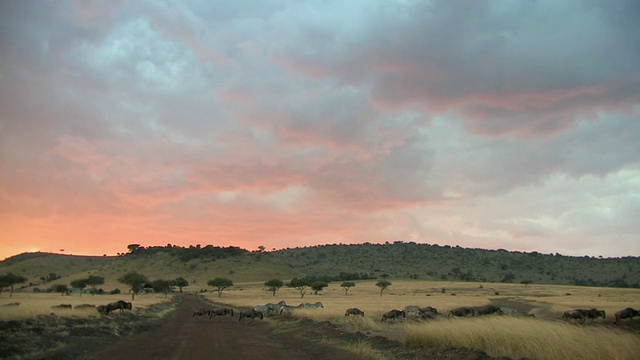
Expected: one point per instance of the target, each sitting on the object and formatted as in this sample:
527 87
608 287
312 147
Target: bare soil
141 334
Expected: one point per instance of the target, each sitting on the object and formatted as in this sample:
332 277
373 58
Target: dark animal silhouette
354 311
84 306
593 313
251 314
576 314
201 312
462 311
487 310
221 311
120 304
62 307
12 304
393 314
627 313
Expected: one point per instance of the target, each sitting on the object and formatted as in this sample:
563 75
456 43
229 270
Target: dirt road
188 337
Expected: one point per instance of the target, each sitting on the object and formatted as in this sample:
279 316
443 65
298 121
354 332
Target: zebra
288 309
313 306
412 309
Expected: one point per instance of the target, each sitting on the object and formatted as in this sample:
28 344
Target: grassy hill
433 262
340 262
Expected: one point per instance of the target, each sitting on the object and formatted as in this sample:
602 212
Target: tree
61 288
347 285
93 281
300 285
273 285
162 286
79 284
318 286
383 284
135 281
180 283
9 280
220 284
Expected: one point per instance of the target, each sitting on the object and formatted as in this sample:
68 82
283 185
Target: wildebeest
313 306
62 307
393 314
462 311
120 304
627 313
354 311
84 306
486 310
201 312
428 309
220 311
12 304
101 309
250 313
594 313
573 315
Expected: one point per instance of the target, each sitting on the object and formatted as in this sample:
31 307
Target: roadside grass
526 338
33 305
543 337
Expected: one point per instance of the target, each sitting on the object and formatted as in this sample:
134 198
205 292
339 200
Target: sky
483 124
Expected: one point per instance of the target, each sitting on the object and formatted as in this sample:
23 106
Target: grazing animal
84 306
313 306
221 311
201 312
487 310
12 304
354 311
412 309
102 309
264 309
120 304
428 309
62 306
462 311
251 314
288 309
393 314
573 315
594 313
627 313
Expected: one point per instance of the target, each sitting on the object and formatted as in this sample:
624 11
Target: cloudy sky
488 124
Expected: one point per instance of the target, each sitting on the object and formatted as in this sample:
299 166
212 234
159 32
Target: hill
434 262
397 260
197 265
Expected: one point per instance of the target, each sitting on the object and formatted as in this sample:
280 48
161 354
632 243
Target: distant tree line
188 253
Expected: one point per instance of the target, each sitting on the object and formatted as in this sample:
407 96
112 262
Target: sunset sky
484 124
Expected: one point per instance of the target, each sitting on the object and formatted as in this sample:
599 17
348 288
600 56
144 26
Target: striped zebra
313 306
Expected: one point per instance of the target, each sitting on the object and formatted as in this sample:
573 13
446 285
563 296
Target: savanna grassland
543 336
424 275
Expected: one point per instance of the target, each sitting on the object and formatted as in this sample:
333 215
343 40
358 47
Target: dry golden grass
32 305
543 337
526 337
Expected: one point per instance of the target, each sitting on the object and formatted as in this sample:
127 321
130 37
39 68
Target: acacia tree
61 288
9 280
347 285
93 281
383 284
273 285
162 286
180 282
220 284
318 286
300 285
135 281
79 284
